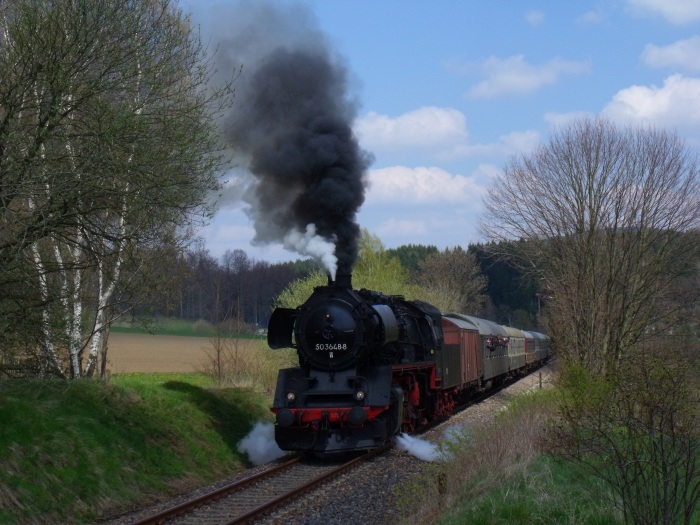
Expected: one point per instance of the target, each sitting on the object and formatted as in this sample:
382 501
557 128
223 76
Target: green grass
172 326
548 491
71 451
499 474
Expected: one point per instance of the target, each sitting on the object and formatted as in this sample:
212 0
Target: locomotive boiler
373 365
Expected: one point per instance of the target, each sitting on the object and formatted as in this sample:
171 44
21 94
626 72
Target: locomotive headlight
291 396
359 395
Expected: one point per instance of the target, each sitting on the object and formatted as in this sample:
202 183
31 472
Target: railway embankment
77 452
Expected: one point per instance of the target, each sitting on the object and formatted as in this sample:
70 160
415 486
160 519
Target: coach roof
485 327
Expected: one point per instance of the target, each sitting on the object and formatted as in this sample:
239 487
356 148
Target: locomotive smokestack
342 280
291 126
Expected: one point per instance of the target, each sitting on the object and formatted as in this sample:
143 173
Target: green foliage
500 474
173 326
638 431
110 142
549 491
375 270
452 281
301 266
411 255
70 451
299 291
510 288
235 362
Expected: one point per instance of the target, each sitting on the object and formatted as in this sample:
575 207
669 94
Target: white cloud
234 186
675 104
684 54
560 120
519 141
534 17
440 130
437 226
421 185
232 232
487 171
509 144
401 228
677 12
514 76
433 133
591 18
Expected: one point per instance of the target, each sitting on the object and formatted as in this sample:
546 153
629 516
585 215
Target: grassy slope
499 475
503 474
547 490
71 451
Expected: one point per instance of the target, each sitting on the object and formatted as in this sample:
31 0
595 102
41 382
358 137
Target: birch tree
108 150
609 217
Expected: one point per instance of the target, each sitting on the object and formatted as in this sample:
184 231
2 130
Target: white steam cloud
427 451
260 445
423 450
309 243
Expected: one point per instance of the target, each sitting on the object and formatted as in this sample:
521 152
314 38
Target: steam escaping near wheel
419 448
427 451
259 445
291 129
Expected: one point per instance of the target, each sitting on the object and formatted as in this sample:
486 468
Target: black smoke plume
291 122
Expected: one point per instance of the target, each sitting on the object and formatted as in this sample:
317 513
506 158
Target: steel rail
270 506
189 506
265 508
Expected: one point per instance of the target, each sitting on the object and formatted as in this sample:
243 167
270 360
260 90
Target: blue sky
448 90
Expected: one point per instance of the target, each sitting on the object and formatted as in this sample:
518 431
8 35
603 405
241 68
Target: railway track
268 493
258 495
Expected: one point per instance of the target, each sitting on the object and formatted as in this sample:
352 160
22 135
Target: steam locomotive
373 365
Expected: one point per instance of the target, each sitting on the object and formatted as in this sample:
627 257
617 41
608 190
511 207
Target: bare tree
453 281
108 144
609 217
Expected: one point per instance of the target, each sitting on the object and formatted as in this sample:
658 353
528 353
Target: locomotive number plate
331 346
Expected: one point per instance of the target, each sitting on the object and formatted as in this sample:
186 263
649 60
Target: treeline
237 288
511 295
233 288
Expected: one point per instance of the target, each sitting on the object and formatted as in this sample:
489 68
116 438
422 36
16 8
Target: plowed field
156 353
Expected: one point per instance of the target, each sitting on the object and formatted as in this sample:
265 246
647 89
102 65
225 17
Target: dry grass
130 353
246 363
236 363
483 460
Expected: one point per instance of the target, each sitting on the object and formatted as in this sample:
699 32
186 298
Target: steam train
374 365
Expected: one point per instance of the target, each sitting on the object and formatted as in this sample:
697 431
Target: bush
482 459
638 431
246 363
